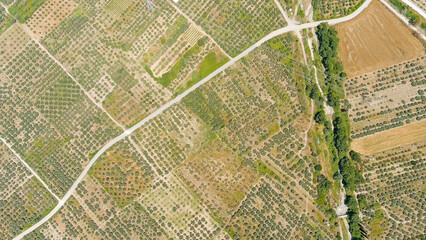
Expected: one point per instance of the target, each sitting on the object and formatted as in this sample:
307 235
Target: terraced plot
394 192
387 98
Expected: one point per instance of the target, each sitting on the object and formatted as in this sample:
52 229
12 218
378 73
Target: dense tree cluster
341 134
328 49
323 187
353 215
320 117
347 170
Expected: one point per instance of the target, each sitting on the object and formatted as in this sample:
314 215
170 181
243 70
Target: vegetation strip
348 162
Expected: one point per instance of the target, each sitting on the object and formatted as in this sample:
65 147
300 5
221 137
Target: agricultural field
28 203
270 146
128 57
22 10
273 210
181 214
387 98
188 174
288 5
12 170
211 174
328 9
112 125
48 16
7 2
179 134
392 197
92 213
376 39
385 65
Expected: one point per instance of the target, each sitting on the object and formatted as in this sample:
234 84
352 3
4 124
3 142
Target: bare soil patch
408 134
374 40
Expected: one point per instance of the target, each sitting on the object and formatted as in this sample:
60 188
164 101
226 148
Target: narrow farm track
305 133
415 7
5 8
287 19
178 99
404 19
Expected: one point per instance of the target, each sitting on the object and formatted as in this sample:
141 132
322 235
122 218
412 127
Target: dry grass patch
374 40
389 139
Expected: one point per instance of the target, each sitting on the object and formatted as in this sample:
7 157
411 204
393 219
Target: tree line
338 136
